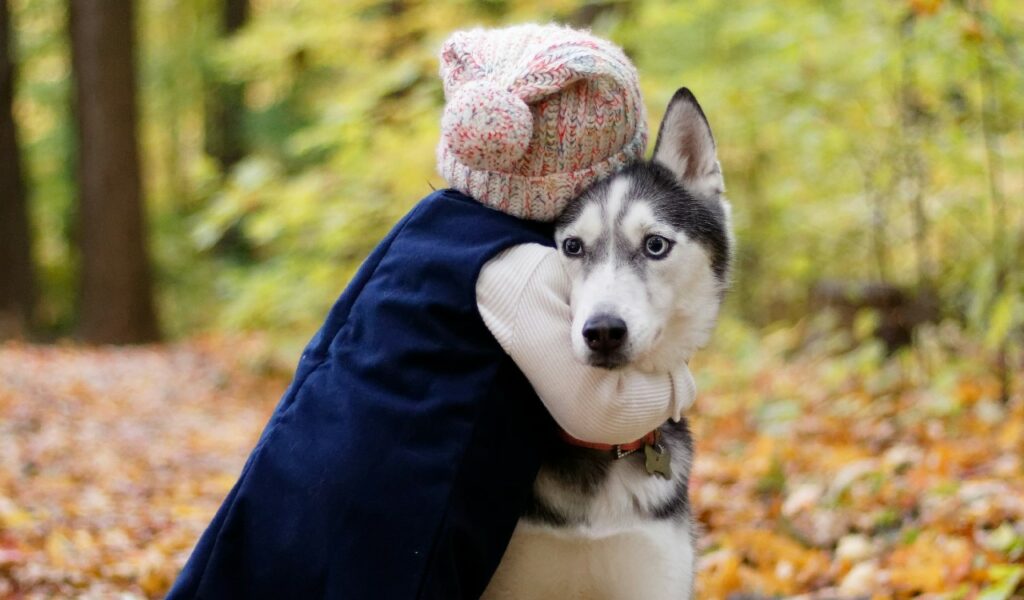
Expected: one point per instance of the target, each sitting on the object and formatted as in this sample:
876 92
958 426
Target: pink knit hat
534 114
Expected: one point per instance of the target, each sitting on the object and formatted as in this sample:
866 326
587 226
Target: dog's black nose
604 333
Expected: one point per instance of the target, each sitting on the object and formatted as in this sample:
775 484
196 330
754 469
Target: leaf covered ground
817 476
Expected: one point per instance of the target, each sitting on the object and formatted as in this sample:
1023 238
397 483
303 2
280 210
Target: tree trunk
1000 229
115 290
17 285
915 170
225 102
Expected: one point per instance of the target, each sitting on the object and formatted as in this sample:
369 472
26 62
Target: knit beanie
535 114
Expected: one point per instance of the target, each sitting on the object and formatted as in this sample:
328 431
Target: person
399 459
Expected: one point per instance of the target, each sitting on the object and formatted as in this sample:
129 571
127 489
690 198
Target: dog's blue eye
572 246
656 246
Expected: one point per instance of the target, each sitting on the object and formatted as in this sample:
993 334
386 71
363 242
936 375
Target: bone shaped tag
658 461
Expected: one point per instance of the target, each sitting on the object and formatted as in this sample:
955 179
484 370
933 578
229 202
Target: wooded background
178 167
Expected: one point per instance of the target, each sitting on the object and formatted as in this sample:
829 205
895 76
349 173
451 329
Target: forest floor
815 477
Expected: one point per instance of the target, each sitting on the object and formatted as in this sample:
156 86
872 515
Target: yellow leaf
1002 319
58 549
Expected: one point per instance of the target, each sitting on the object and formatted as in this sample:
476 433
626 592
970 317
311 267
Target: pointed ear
686 147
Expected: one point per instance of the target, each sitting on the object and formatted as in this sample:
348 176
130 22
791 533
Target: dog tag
658 461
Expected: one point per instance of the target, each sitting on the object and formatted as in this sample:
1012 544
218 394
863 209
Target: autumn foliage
113 461
817 476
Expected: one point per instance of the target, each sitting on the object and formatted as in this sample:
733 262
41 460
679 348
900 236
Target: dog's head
648 250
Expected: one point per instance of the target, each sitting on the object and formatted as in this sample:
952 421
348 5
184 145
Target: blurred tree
17 282
915 122
1003 290
116 297
225 102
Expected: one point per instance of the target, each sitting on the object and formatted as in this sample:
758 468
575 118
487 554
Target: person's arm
523 296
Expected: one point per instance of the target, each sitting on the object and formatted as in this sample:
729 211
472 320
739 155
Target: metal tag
658 461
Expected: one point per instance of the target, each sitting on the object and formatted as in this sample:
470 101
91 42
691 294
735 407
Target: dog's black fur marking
676 506
676 436
703 221
538 510
583 470
580 469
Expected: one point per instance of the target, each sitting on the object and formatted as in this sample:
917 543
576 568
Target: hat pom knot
487 127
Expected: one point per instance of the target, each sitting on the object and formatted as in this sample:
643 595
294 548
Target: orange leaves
932 563
815 478
881 483
113 461
760 561
925 8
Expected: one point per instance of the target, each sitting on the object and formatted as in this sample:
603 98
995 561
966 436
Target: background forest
210 173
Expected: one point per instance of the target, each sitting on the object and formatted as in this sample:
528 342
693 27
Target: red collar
620 450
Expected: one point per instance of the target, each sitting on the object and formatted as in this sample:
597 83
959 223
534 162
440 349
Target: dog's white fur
650 562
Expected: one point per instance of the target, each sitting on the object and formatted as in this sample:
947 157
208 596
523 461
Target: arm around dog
523 296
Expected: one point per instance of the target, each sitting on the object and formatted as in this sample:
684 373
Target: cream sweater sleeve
523 296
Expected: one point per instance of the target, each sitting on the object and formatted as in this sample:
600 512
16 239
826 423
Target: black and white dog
648 250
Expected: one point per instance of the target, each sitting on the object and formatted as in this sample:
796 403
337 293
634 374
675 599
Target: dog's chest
604 528
650 560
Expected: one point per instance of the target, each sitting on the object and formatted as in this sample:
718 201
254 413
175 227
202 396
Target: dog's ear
686 147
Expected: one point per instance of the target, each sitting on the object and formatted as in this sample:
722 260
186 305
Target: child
398 461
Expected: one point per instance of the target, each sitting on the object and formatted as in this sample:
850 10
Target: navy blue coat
399 459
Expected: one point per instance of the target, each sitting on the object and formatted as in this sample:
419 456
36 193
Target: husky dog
648 250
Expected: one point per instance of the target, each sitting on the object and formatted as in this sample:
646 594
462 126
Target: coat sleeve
523 296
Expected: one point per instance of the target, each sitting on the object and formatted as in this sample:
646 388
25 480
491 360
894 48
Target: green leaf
1005 579
1002 320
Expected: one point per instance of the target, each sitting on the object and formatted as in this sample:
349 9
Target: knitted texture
535 114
